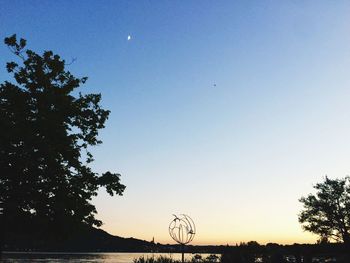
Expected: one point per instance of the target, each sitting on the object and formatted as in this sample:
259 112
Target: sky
228 111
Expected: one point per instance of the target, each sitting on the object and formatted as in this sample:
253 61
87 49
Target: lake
84 257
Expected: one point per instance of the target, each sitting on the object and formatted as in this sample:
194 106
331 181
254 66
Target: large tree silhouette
327 213
47 127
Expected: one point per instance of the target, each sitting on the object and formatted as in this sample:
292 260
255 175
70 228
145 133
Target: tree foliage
46 130
327 213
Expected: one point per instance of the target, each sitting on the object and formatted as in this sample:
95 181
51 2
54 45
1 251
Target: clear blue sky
236 156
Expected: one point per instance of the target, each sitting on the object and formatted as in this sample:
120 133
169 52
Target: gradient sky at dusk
228 111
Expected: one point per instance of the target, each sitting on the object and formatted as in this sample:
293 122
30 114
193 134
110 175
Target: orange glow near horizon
270 222
304 238
209 234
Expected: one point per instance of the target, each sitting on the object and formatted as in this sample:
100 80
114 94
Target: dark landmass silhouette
97 240
90 240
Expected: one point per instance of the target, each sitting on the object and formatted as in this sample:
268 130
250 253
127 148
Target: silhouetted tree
46 129
327 213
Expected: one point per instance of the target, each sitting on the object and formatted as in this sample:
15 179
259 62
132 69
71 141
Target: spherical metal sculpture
182 229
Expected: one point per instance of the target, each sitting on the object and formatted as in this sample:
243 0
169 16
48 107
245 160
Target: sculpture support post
183 252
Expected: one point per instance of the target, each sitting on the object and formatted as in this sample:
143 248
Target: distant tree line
275 253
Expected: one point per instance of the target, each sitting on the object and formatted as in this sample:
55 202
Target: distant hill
99 240
90 240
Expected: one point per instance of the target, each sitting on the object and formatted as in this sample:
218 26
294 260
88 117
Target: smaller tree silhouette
327 213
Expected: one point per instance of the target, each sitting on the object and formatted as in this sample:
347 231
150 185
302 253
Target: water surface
14 257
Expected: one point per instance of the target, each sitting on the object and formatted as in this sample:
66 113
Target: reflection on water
85 257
